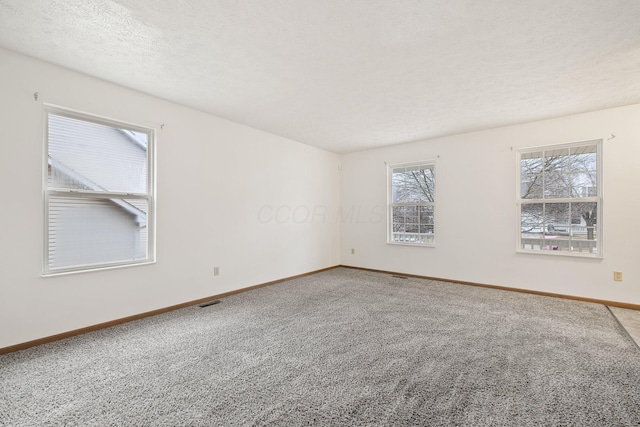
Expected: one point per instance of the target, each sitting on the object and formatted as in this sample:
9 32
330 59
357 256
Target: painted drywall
254 204
476 218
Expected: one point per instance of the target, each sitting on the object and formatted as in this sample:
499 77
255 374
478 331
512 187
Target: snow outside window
560 199
412 204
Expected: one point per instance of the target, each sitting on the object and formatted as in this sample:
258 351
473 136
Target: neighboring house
93 230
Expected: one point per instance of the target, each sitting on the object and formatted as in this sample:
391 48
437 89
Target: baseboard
505 288
98 326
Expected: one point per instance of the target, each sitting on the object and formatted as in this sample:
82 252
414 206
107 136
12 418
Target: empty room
342 212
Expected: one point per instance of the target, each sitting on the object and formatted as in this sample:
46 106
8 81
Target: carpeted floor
343 347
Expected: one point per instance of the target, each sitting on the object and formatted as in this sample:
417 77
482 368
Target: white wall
476 219
215 179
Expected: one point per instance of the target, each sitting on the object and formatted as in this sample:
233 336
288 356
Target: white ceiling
346 75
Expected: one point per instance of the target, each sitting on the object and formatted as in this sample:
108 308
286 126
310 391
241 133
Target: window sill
420 245
584 255
92 269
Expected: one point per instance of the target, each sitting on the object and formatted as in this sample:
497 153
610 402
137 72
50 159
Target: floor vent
400 277
208 303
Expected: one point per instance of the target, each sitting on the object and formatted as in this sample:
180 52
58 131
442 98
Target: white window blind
99 193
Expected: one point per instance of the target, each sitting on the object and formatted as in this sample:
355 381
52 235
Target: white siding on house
103 230
85 148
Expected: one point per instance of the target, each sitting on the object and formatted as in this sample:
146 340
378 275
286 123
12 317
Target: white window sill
561 253
420 245
92 269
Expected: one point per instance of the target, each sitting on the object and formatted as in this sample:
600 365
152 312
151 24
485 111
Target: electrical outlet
617 276
216 271
353 251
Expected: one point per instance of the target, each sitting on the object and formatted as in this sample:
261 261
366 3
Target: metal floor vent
400 277
208 303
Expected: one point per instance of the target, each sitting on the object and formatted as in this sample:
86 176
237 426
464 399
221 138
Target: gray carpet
342 347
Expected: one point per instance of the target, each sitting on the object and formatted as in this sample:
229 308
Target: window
99 193
560 199
412 203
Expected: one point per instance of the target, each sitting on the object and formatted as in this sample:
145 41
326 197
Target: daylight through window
560 199
412 203
98 193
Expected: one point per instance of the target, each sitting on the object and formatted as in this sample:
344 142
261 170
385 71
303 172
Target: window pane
415 184
584 158
413 215
90 231
584 220
531 163
556 170
426 229
90 156
584 184
583 163
531 218
556 219
531 175
531 186
399 214
426 214
422 184
398 179
412 228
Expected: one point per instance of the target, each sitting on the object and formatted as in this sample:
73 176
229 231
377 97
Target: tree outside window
560 199
412 203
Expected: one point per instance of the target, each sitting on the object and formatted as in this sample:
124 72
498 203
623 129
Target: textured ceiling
346 75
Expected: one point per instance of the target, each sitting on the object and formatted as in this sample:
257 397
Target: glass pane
415 184
531 163
412 224
584 220
531 218
413 215
584 159
556 219
584 184
556 169
531 175
412 228
426 229
531 186
93 231
398 179
531 226
399 214
91 156
426 214
422 183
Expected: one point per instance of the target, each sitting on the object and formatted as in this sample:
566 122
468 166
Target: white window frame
596 199
150 196
391 204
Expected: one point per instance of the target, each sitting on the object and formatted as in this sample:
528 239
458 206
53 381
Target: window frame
391 204
49 192
598 199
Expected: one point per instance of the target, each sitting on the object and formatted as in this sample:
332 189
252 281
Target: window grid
560 199
412 204
98 193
